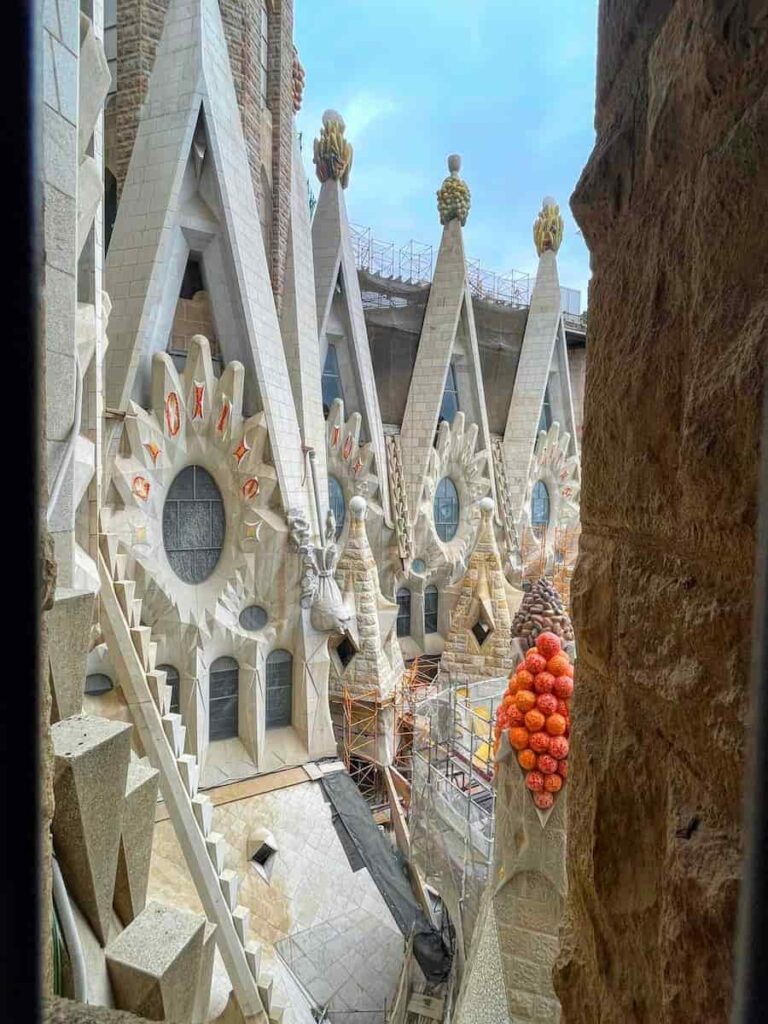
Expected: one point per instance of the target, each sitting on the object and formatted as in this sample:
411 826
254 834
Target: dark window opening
446 509
172 680
540 505
336 501
223 699
279 708
404 612
262 855
97 683
110 206
254 617
331 380
430 609
450 403
480 632
192 282
545 419
346 651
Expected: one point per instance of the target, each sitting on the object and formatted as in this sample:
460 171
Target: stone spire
332 153
377 664
548 227
479 638
453 196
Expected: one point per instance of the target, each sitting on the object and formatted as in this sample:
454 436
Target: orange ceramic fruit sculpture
536 711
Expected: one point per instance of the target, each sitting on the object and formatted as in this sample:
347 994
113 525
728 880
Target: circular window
446 509
336 500
253 617
418 565
540 504
97 683
193 524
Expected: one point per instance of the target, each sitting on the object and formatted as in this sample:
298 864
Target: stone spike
189 772
277 1015
141 640
215 844
109 543
266 985
203 810
152 655
136 611
241 916
125 590
121 566
136 841
156 681
253 956
230 883
174 732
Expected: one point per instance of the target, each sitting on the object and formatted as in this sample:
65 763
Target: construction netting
451 815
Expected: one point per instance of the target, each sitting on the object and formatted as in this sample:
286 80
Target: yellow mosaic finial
548 227
453 196
332 153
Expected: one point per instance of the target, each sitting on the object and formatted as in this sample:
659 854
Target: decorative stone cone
541 610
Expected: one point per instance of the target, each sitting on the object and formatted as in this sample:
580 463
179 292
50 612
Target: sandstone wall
673 206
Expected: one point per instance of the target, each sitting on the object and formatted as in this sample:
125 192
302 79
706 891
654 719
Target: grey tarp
431 953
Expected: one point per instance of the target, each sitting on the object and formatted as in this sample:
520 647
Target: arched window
172 680
331 380
545 419
193 524
450 403
403 612
222 701
446 509
279 689
430 609
540 504
336 500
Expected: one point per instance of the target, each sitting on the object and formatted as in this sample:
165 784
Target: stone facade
662 594
479 643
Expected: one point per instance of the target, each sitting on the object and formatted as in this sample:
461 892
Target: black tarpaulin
432 955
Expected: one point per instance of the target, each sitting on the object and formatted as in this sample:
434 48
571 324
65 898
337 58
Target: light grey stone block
69 632
91 757
153 965
136 841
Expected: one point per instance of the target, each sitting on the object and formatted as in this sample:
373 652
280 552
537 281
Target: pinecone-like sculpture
297 81
453 196
333 154
541 610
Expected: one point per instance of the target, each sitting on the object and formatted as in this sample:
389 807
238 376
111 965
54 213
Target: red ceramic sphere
534 662
553 783
546 764
543 800
558 747
534 781
540 742
548 644
544 682
562 768
563 687
546 703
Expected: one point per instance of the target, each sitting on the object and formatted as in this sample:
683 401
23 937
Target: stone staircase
162 735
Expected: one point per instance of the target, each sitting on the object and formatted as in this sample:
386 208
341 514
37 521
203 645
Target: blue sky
508 84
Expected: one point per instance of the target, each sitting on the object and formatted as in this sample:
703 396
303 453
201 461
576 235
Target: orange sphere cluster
536 713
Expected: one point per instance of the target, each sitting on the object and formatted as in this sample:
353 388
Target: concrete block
69 634
151 963
91 758
136 841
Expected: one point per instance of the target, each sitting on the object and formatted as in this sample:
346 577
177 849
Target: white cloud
363 109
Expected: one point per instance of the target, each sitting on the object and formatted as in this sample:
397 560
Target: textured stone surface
66 1011
672 205
135 841
91 764
153 964
69 623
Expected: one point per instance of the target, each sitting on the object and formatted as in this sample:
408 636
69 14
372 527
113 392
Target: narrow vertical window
404 612
279 689
450 403
223 699
430 609
336 501
172 680
331 380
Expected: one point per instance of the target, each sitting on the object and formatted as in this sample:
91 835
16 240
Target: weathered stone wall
66 1011
672 205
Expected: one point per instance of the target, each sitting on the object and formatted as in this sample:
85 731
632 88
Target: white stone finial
549 201
486 506
454 163
333 117
357 507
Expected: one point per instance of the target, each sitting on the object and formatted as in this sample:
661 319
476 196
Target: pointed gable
543 357
448 352
339 302
191 86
